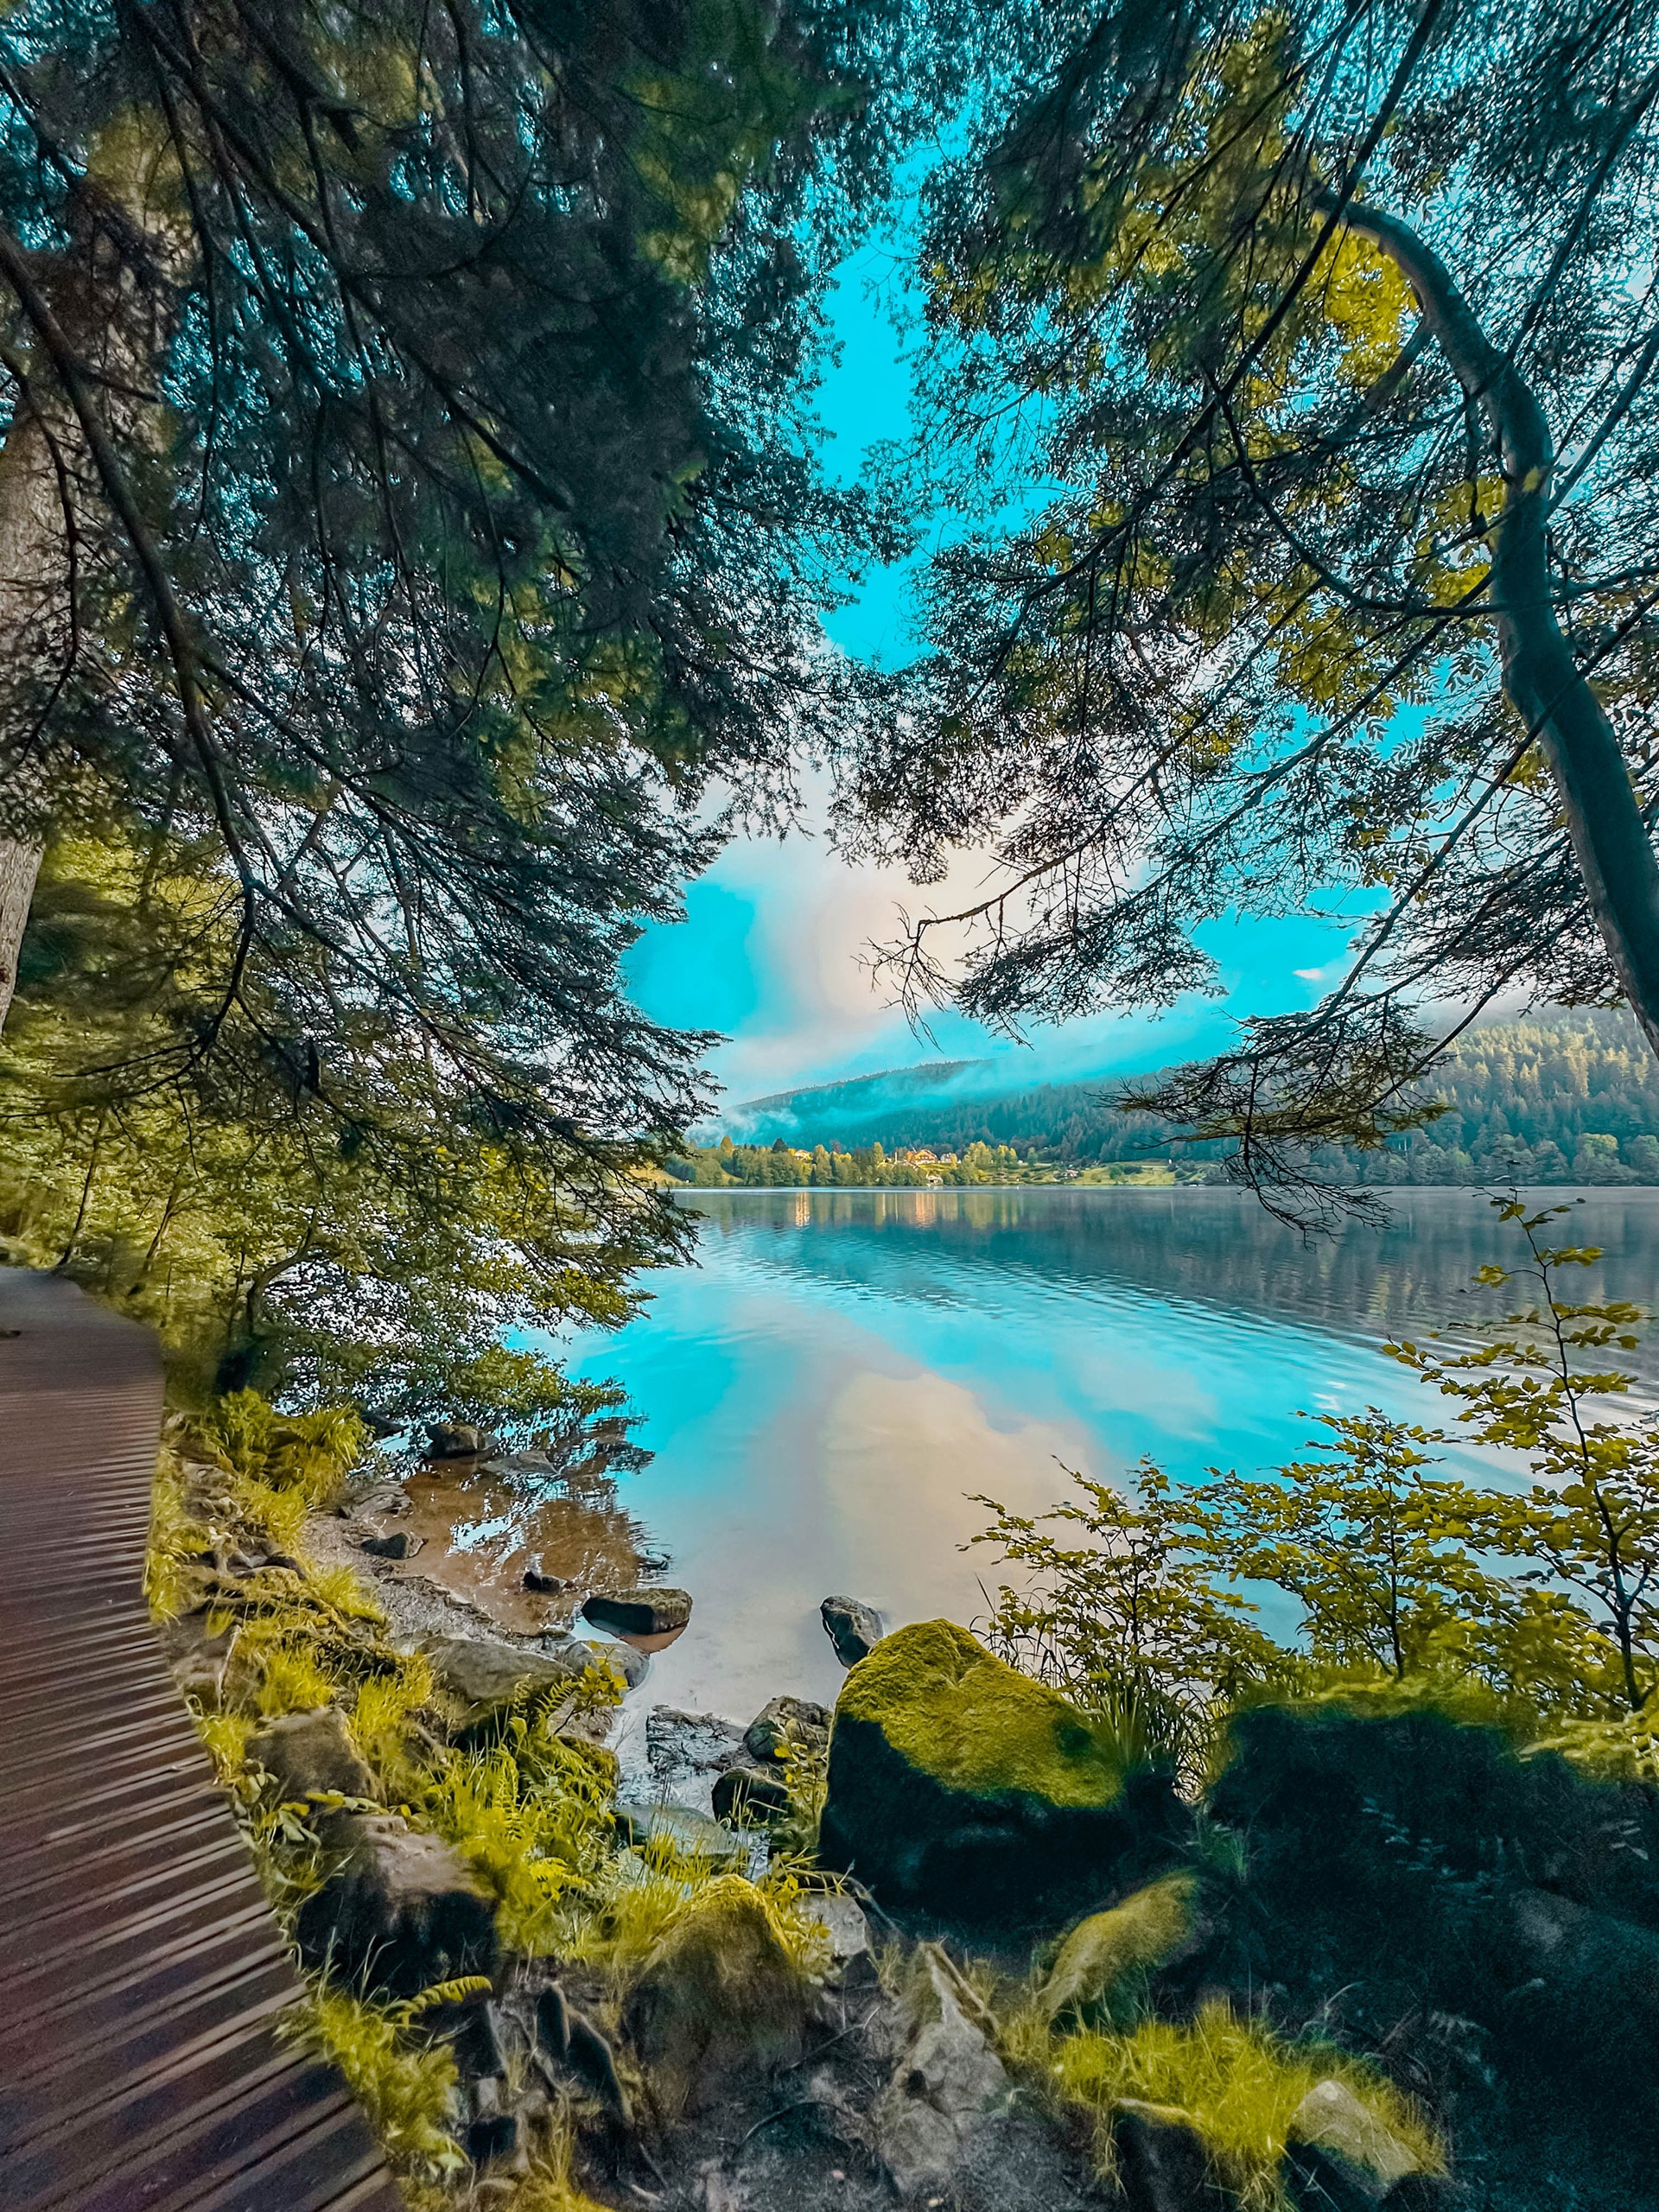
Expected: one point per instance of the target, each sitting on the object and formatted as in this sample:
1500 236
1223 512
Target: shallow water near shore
827 1389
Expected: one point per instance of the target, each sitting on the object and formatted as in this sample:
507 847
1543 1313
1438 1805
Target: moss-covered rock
719 1996
958 1784
1108 1955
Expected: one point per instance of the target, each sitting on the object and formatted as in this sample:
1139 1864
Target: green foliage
532 1817
1590 1519
1132 1621
407 2093
1557 1097
1219 628
1403 1578
442 531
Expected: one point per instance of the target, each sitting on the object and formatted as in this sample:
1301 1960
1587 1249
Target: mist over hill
1558 1096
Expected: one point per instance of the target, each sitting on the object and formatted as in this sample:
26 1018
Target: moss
720 1995
1111 1950
976 1725
1235 2083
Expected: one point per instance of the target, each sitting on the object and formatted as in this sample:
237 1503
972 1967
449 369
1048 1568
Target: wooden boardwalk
141 1973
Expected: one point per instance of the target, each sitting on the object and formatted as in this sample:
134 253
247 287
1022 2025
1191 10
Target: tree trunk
1543 682
31 561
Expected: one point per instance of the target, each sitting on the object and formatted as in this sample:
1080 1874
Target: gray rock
312 1755
690 1747
197 1660
842 1920
487 1674
400 1544
402 1910
745 1795
784 1719
855 1628
622 1659
648 1610
384 1497
493 2139
694 1835
948 2086
718 2000
1337 2144
455 1440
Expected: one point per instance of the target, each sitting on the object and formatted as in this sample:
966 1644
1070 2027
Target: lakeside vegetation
418 542
1560 1097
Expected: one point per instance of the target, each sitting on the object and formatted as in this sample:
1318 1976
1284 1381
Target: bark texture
112 304
1543 682
32 560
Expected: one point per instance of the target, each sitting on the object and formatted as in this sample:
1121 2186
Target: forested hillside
1558 1097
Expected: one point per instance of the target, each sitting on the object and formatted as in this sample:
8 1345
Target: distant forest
1559 1097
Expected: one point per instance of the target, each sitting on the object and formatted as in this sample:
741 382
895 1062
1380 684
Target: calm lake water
840 1373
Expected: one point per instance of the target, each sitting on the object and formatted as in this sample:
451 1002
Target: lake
840 1373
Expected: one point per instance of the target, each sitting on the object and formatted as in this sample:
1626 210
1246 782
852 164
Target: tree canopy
410 535
1253 333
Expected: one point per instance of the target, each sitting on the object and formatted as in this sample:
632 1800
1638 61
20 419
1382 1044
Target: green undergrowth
1234 2081
531 1810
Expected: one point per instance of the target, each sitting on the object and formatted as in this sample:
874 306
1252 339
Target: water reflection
484 1525
844 1371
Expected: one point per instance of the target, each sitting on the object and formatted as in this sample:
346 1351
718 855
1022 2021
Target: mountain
856 1110
1562 1094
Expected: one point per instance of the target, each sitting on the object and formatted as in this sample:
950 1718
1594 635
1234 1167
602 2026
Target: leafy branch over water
1541 1601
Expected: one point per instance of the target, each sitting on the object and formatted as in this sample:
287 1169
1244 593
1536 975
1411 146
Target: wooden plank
141 2069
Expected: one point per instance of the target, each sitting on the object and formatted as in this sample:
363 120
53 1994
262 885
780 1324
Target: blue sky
773 950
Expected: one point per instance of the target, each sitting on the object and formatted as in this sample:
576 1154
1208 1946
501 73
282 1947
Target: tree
1260 324
407 510
1131 1618
1590 1524
1376 1551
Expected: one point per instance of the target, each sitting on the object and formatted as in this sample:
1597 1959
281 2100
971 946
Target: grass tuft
408 2094
1237 2083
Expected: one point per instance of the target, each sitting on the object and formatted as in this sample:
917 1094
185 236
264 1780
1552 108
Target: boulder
455 1440
197 1660
749 1795
1163 2165
1342 2154
1105 1955
647 1610
719 2000
1564 1969
540 1584
694 1835
958 1785
946 2087
621 1659
843 1921
690 1747
311 1755
384 1497
488 1675
854 1629
401 1911
400 1544
783 1721
566 2039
